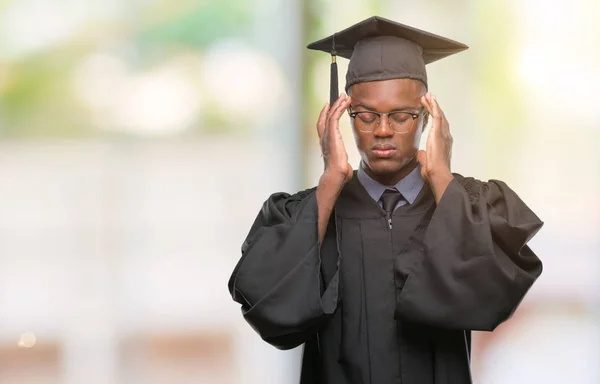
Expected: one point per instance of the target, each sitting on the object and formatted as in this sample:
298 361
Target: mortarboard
381 49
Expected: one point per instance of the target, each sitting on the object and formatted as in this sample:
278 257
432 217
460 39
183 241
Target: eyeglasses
398 121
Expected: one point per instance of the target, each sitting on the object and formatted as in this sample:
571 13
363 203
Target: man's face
385 152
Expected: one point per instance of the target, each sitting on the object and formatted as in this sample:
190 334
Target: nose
383 128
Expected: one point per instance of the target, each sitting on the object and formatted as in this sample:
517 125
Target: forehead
388 92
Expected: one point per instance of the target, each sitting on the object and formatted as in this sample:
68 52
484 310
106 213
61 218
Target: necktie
389 200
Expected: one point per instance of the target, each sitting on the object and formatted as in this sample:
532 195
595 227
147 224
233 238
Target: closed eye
401 117
366 117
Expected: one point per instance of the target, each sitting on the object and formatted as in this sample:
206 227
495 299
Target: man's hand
435 161
337 168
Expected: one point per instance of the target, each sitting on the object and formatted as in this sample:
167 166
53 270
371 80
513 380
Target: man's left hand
435 160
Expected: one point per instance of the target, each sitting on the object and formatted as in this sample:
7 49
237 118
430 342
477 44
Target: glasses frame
415 116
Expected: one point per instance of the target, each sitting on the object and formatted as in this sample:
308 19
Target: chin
389 166
386 167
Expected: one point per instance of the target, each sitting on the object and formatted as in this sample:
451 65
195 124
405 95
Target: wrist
332 181
328 190
333 177
439 182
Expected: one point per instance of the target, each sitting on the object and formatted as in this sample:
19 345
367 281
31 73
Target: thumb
350 173
422 158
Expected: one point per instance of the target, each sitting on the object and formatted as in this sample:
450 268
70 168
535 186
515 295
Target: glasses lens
366 121
367 117
401 122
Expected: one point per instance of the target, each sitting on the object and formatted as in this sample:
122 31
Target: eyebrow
402 108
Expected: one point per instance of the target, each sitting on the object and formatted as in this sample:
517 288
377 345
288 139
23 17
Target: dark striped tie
389 200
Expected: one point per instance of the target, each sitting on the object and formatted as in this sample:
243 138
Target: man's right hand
337 168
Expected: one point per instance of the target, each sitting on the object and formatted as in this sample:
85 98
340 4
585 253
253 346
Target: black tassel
334 92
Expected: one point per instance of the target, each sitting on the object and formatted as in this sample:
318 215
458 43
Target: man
383 272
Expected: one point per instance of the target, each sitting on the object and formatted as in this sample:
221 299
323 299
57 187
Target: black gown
375 305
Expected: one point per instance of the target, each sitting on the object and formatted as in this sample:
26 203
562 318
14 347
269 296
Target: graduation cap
381 49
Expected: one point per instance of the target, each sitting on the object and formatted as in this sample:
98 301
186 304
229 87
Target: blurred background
139 138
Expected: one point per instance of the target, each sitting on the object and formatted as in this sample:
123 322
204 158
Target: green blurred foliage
500 106
197 24
36 98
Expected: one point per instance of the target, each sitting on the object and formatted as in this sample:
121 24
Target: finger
339 100
437 108
328 122
338 110
322 120
435 121
426 104
435 113
335 107
445 126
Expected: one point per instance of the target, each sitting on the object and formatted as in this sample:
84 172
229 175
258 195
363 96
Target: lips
384 150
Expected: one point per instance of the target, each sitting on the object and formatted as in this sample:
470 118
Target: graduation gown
380 305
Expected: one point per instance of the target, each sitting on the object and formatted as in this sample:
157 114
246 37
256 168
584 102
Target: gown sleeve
472 267
278 280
